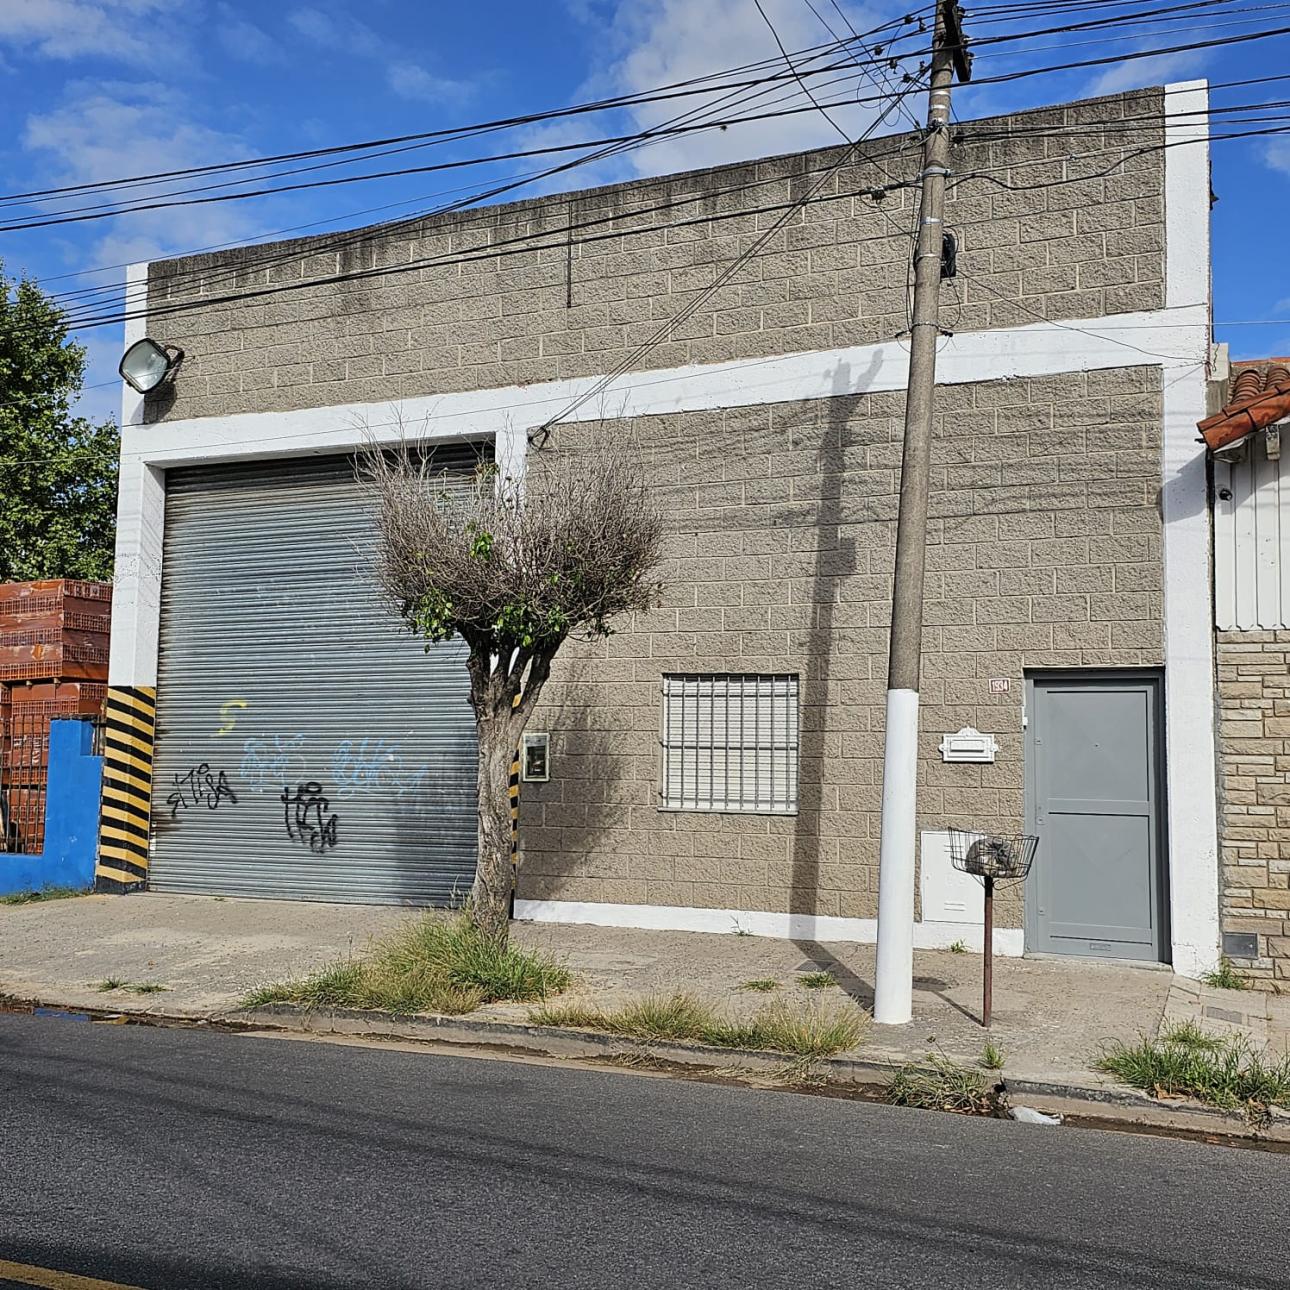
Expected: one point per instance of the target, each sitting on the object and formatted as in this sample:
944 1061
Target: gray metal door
1093 789
307 746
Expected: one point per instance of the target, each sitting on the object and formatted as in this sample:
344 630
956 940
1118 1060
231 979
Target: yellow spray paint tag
229 712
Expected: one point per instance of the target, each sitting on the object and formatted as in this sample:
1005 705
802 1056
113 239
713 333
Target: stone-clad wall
1032 246
1254 800
1045 553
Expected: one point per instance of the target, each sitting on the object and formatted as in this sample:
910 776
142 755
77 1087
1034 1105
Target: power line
343 241
113 288
675 89
525 243
658 133
543 432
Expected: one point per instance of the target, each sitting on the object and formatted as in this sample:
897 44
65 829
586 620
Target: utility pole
893 989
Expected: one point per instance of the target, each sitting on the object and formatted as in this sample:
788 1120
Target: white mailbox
969 745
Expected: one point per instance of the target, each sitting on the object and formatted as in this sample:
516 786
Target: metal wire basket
1001 857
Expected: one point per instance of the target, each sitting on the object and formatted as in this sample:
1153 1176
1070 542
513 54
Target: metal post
987 988
893 988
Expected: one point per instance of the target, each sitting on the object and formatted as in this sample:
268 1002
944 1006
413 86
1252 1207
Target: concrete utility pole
894 982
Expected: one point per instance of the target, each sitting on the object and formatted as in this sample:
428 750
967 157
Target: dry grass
816 980
801 1031
941 1084
436 964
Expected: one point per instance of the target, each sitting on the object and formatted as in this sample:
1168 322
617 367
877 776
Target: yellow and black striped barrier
128 736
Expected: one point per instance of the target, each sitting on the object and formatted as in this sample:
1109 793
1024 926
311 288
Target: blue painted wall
71 816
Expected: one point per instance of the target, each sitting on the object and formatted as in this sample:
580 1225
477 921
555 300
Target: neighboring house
717 762
1251 500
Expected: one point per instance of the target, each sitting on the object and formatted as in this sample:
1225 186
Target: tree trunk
491 895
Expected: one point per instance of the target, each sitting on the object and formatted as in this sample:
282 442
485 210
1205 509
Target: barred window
730 743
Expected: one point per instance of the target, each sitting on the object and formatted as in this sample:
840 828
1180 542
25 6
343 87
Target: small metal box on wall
535 759
969 745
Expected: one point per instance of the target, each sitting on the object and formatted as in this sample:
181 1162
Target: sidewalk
1050 1017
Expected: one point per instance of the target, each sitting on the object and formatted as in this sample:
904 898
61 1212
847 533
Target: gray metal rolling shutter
307 746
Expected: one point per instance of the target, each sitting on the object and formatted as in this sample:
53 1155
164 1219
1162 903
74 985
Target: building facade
716 763
1251 508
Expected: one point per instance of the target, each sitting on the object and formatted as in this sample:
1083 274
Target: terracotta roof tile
1258 395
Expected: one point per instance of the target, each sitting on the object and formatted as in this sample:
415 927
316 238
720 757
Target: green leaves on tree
58 471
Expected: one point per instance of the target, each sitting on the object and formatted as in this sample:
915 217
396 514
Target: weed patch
1186 1062
816 980
958 947
45 893
108 984
1225 976
435 964
807 1032
992 1056
763 985
940 1084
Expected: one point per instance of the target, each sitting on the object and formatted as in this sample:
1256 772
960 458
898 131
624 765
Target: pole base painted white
893 1003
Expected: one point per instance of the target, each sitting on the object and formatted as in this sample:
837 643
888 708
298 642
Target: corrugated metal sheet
1251 537
307 746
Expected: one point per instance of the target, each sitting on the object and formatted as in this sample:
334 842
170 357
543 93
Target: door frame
1155 676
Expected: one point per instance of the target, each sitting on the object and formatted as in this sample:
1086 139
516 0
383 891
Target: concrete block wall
1254 801
1044 554
834 275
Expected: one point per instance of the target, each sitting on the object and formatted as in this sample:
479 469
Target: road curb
1096 1106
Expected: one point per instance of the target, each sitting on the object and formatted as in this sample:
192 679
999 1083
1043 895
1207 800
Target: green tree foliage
57 470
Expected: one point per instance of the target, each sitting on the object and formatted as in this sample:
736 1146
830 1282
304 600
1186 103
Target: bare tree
514 568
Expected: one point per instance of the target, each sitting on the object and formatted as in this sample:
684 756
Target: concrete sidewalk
1051 1016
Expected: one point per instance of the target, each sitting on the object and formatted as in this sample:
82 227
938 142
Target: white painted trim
136 328
1040 349
1190 747
140 522
1187 268
821 927
894 974
136 589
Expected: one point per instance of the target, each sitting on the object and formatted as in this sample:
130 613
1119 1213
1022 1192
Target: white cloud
1276 153
656 42
409 81
339 33
244 40
1138 72
130 30
106 130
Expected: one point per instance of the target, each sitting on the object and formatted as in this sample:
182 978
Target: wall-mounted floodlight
146 364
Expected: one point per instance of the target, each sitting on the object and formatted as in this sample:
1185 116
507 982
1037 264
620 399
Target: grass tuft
816 980
806 1032
1225 976
45 893
111 983
941 1084
1184 1061
992 1056
763 985
958 947
434 964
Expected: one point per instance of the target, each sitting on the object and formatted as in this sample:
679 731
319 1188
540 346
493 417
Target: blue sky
95 89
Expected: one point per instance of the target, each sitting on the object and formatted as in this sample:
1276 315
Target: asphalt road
173 1159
